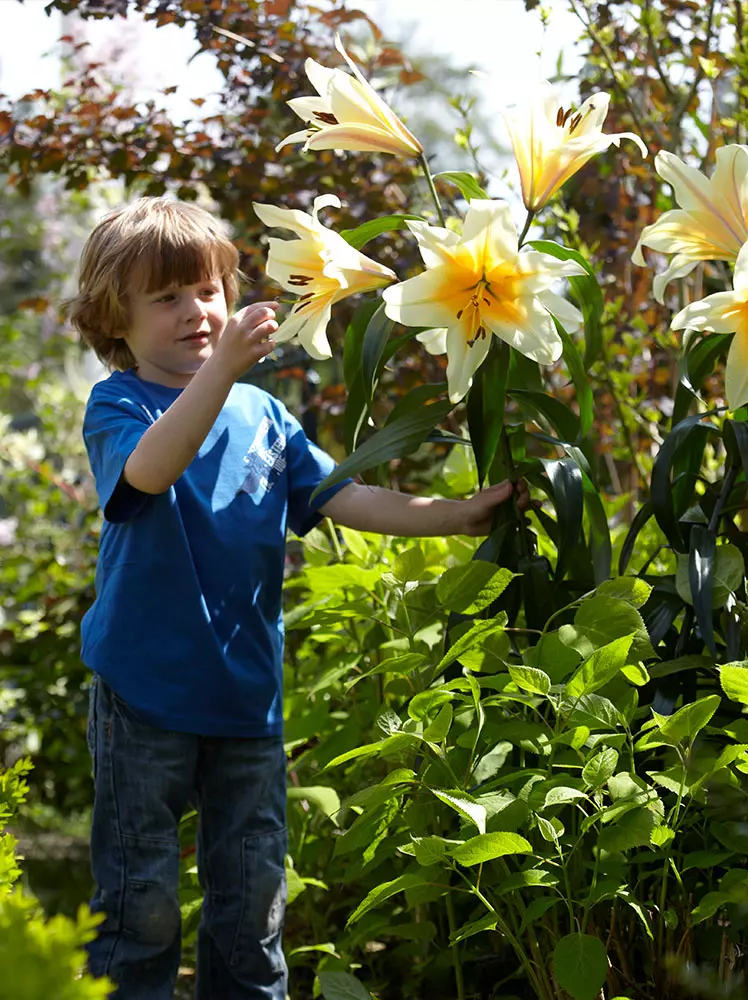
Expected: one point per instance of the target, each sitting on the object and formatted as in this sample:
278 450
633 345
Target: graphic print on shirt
265 461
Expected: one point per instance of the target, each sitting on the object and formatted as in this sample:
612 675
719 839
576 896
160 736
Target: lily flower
479 284
348 114
726 312
550 143
711 223
320 267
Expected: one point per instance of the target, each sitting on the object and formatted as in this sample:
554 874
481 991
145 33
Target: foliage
40 957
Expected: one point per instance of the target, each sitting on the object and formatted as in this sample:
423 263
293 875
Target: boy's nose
195 308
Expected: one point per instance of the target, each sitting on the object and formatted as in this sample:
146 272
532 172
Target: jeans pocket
263 906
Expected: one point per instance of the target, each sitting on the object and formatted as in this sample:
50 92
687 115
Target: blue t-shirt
187 623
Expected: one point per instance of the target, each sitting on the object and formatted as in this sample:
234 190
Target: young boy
198 478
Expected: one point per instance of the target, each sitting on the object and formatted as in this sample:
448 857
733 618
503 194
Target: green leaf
728 572
342 986
734 680
684 725
580 965
561 795
601 667
602 619
402 437
466 183
438 729
360 236
377 334
487 923
358 402
416 399
600 768
475 636
488 846
574 363
587 293
386 889
626 588
661 493
633 829
548 408
568 496
485 406
326 799
470 588
409 564
530 679
465 806
645 512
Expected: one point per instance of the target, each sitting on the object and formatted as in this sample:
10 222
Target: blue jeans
144 780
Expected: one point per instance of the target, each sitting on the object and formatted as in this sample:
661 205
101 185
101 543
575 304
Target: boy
197 478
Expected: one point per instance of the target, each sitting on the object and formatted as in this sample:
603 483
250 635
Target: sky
497 36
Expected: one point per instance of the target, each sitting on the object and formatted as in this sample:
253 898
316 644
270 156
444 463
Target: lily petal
435 341
463 361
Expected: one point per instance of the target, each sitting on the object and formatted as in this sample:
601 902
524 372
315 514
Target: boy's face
175 330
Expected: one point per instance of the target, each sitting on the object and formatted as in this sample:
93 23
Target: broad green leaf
561 795
595 711
488 846
704 859
553 657
466 183
294 886
580 965
342 986
534 910
409 564
530 679
601 667
355 542
386 889
636 673
401 437
326 799
387 789
438 729
358 403
600 768
633 829
734 680
420 705
575 365
492 762
728 571
465 806
487 923
531 878
360 236
475 636
626 588
431 850
708 906
416 399
602 619
688 721
470 588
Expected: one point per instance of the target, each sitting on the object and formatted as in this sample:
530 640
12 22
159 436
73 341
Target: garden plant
518 768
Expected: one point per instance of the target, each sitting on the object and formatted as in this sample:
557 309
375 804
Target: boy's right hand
247 338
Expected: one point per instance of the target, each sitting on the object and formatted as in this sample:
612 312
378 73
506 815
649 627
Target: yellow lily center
496 295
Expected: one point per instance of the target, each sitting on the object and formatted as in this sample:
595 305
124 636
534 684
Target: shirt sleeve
112 428
308 465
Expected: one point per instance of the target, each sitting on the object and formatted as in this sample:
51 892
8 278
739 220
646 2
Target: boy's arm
371 508
169 445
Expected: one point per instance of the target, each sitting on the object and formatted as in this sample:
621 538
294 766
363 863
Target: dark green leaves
485 406
399 438
360 236
467 185
588 295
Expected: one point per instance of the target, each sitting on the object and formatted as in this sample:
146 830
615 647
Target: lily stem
528 223
430 181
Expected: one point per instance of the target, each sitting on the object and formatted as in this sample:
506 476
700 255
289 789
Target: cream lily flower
319 266
478 284
348 114
712 221
551 144
726 312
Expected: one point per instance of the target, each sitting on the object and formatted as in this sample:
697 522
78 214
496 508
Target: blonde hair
151 244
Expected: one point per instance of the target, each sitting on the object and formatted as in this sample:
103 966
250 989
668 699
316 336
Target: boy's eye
166 297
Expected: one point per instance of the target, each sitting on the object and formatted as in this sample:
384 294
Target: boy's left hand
478 511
